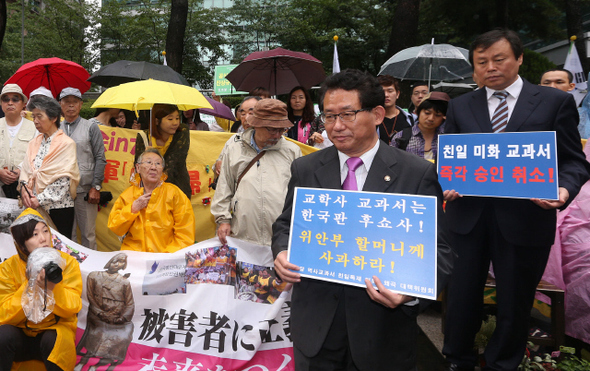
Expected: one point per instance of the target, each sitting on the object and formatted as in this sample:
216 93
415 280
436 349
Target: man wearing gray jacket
91 161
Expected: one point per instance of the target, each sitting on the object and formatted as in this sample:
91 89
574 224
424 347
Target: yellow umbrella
143 94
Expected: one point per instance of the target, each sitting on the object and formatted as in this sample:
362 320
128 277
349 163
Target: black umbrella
122 72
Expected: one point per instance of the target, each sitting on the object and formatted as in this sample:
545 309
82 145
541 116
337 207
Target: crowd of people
55 164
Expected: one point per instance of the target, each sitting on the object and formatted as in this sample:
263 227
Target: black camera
53 272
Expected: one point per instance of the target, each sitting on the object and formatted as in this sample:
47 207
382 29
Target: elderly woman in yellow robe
24 344
153 216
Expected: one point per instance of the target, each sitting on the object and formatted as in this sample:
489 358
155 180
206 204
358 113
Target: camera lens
53 272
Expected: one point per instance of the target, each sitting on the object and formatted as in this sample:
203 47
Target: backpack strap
254 160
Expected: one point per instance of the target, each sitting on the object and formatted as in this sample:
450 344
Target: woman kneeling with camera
40 295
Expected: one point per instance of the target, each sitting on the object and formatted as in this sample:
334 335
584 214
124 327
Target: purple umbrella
219 110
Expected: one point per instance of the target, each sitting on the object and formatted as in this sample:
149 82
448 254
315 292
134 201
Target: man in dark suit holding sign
514 234
340 327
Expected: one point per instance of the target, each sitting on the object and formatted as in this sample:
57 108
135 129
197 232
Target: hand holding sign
564 195
286 270
384 296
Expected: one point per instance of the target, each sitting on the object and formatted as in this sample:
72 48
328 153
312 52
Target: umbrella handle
137 104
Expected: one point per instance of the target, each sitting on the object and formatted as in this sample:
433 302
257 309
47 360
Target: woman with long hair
172 139
301 114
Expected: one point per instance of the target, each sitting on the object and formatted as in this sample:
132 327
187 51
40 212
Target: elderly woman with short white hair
152 215
50 170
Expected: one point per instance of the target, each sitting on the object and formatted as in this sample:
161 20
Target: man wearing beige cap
15 134
91 160
254 175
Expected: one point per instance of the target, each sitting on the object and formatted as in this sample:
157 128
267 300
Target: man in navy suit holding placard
336 326
514 234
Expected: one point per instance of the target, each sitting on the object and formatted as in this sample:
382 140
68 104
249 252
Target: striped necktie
500 118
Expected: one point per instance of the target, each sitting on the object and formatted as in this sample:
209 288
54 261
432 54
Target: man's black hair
370 91
489 38
437 105
418 83
570 77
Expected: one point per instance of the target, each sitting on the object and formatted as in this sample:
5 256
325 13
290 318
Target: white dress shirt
363 170
513 93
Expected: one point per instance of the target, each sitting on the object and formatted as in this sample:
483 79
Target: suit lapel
479 108
328 173
382 175
527 101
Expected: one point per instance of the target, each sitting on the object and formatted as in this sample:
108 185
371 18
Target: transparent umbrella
438 62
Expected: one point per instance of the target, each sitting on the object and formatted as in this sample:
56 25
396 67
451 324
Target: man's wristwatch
97 187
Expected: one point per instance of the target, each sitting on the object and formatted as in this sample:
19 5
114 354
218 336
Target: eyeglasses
279 131
150 164
346 116
7 99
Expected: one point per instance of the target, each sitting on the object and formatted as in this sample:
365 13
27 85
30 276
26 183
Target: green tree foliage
309 26
136 34
139 34
56 30
205 37
254 25
533 66
458 22
364 26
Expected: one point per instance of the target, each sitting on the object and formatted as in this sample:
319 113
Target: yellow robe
68 302
167 224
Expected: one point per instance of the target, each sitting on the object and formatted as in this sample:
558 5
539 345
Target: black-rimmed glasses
346 116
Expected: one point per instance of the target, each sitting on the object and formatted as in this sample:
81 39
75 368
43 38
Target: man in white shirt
341 327
514 234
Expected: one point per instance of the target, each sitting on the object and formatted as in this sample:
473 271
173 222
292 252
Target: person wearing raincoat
24 344
152 215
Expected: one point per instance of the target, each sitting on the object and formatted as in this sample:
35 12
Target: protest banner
204 150
348 236
513 165
204 308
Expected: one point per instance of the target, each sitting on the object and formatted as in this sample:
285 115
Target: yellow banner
120 153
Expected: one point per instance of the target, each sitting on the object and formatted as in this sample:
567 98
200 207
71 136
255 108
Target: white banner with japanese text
204 308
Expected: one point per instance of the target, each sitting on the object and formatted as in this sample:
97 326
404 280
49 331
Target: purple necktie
350 181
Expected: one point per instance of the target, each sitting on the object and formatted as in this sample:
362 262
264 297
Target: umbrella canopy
142 95
53 73
453 89
219 110
122 72
278 70
438 62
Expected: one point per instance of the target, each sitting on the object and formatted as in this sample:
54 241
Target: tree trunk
3 20
175 34
573 18
404 29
